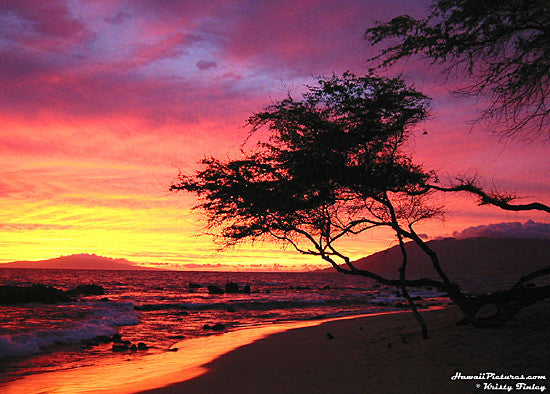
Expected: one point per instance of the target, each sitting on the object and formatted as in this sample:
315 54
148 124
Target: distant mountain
78 261
458 257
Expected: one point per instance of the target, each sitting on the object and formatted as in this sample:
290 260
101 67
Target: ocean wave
102 322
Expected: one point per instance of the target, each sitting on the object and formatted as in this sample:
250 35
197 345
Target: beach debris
330 336
389 345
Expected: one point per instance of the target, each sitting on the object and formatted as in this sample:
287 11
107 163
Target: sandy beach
385 354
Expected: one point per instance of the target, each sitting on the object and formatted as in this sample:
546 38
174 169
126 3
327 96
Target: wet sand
384 354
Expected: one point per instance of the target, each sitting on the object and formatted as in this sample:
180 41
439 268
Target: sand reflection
152 371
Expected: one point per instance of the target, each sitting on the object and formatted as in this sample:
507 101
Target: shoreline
155 371
384 354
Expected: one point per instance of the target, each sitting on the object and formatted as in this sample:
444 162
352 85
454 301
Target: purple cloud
205 65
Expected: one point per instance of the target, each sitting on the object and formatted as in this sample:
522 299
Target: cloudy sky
103 102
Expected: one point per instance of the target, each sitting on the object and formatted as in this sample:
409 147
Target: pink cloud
43 24
102 102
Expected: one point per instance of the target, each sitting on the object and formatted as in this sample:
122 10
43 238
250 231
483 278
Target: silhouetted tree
503 46
334 167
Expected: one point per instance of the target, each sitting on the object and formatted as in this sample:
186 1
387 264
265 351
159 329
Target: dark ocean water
159 308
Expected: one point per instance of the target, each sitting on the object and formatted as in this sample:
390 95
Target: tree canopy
502 45
331 161
334 166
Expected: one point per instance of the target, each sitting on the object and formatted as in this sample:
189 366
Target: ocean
160 308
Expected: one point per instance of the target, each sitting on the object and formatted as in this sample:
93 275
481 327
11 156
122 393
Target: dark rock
133 348
86 290
416 298
268 291
10 295
329 336
231 309
142 346
102 339
120 348
105 299
215 327
327 287
194 285
116 338
303 288
215 289
182 313
246 289
89 344
173 349
400 305
218 327
177 337
232 287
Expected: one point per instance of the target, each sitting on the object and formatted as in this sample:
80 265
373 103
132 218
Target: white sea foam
102 322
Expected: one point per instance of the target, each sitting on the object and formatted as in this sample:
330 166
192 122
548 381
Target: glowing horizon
102 103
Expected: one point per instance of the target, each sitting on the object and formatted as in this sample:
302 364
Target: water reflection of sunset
151 371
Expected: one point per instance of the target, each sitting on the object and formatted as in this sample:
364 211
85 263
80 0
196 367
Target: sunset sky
103 102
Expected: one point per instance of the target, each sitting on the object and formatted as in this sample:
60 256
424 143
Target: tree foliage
503 45
334 166
330 162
